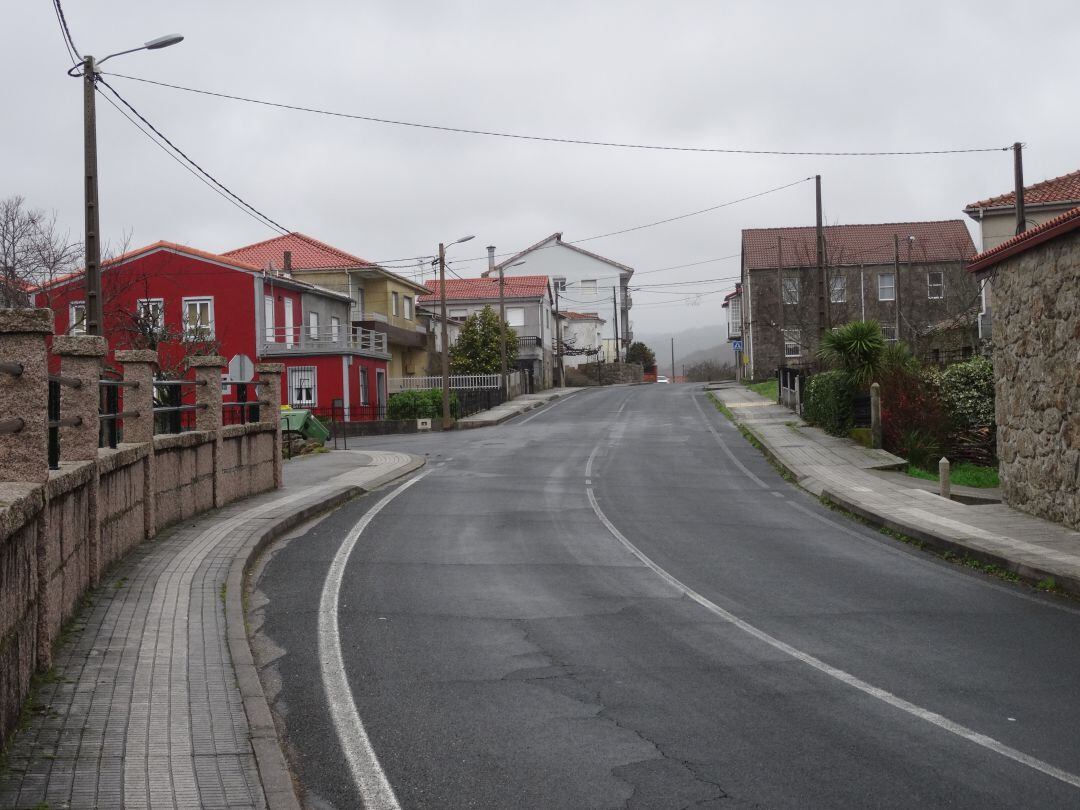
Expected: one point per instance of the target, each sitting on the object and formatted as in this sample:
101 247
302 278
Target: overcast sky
783 76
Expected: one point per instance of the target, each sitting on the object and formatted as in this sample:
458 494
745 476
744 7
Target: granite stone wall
1037 378
612 373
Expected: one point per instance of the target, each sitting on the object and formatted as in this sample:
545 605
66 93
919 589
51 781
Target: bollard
943 478
875 416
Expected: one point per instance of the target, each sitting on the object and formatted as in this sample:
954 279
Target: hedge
425 404
828 402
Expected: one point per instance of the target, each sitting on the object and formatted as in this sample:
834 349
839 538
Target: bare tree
33 251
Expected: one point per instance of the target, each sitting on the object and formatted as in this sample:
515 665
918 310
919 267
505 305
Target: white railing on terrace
458 382
299 339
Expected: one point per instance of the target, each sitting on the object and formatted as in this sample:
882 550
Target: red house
178 299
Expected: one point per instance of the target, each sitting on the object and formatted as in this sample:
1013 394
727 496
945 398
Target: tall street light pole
503 365
94 317
447 421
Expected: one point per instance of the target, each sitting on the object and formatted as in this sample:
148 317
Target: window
290 325
77 318
792 338
515 316
935 284
199 317
151 314
888 331
457 313
313 325
407 301
365 396
838 289
588 286
791 289
335 328
268 318
358 303
394 298
560 284
302 390
886 287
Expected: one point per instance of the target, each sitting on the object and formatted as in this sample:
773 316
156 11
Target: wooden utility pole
1018 180
780 279
673 359
94 316
820 234
502 324
558 341
896 281
615 306
446 421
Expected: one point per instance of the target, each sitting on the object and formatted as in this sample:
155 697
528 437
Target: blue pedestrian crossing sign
736 345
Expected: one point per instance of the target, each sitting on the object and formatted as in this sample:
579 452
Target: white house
580 330
583 281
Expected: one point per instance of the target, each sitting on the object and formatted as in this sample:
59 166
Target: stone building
1036 281
905 275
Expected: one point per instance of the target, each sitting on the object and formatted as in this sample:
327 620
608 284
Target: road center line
838 674
544 409
368 775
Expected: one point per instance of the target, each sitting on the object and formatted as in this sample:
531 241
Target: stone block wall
247 461
613 373
184 476
1037 378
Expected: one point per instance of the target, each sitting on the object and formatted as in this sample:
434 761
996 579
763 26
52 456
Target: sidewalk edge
274 772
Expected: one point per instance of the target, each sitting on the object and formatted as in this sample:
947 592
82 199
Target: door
380 391
289 336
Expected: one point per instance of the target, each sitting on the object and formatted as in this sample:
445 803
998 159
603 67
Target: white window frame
268 318
144 304
457 313
792 342
888 332
290 324
294 377
931 286
790 291
882 287
193 330
365 386
77 325
838 289
559 284
588 286
395 305
512 321
335 328
407 307
313 325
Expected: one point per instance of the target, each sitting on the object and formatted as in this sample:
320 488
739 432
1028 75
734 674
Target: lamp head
464 239
163 42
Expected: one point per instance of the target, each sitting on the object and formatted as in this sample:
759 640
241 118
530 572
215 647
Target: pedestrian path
518 405
145 708
849 475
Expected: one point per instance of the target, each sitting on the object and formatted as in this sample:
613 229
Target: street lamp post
446 420
94 318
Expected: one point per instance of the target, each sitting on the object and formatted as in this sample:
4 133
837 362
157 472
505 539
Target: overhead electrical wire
69 42
551 139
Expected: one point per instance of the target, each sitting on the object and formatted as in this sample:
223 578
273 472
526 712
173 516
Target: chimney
491 258
288 262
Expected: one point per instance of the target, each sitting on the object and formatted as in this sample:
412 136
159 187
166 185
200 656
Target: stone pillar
875 416
24 453
944 482
208 418
139 365
270 408
81 359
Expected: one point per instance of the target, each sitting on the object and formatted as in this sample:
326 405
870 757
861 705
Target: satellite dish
241 369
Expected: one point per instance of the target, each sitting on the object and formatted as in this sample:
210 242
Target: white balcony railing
458 382
323 340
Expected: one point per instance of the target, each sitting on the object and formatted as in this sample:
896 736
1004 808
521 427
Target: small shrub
920 447
967 392
425 404
912 417
828 402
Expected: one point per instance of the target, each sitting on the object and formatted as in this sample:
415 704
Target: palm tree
855 348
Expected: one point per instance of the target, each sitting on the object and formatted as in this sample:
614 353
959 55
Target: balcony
302 340
530 346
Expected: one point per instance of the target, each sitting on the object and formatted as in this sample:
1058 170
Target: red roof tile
1069 221
472 289
307 254
582 316
1064 189
942 241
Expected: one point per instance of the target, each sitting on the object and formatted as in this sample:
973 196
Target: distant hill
691 346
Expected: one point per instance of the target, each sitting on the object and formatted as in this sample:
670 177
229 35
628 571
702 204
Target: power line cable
69 43
550 139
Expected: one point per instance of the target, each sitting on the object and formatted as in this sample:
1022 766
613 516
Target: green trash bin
302 422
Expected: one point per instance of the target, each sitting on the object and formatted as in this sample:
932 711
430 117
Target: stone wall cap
209 361
80 346
136 356
14 321
270 368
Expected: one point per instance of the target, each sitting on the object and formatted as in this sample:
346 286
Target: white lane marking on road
844 677
589 463
724 447
367 773
541 411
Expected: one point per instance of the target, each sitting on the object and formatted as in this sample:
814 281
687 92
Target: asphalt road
507 648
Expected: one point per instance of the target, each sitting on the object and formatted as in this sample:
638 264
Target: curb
462 425
274 772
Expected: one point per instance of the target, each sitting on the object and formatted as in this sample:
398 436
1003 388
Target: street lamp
446 420
94 318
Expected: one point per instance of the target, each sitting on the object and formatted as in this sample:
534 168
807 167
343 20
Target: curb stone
274 772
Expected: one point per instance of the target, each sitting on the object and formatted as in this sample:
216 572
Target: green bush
425 404
828 400
967 392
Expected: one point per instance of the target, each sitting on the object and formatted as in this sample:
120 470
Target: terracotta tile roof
1058 226
941 241
473 289
307 254
582 316
556 241
1064 189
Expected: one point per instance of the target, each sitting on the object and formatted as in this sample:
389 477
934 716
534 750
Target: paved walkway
145 707
518 405
851 476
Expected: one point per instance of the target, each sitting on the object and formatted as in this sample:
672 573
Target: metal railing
171 413
243 409
529 342
300 339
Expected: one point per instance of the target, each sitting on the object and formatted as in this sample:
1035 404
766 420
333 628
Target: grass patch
769 389
750 437
964 474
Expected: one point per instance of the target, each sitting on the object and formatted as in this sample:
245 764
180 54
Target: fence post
875 416
270 407
208 418
139 365
943 478
24 395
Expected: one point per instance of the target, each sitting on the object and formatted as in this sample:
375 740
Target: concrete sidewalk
850 476
518 405
154 701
